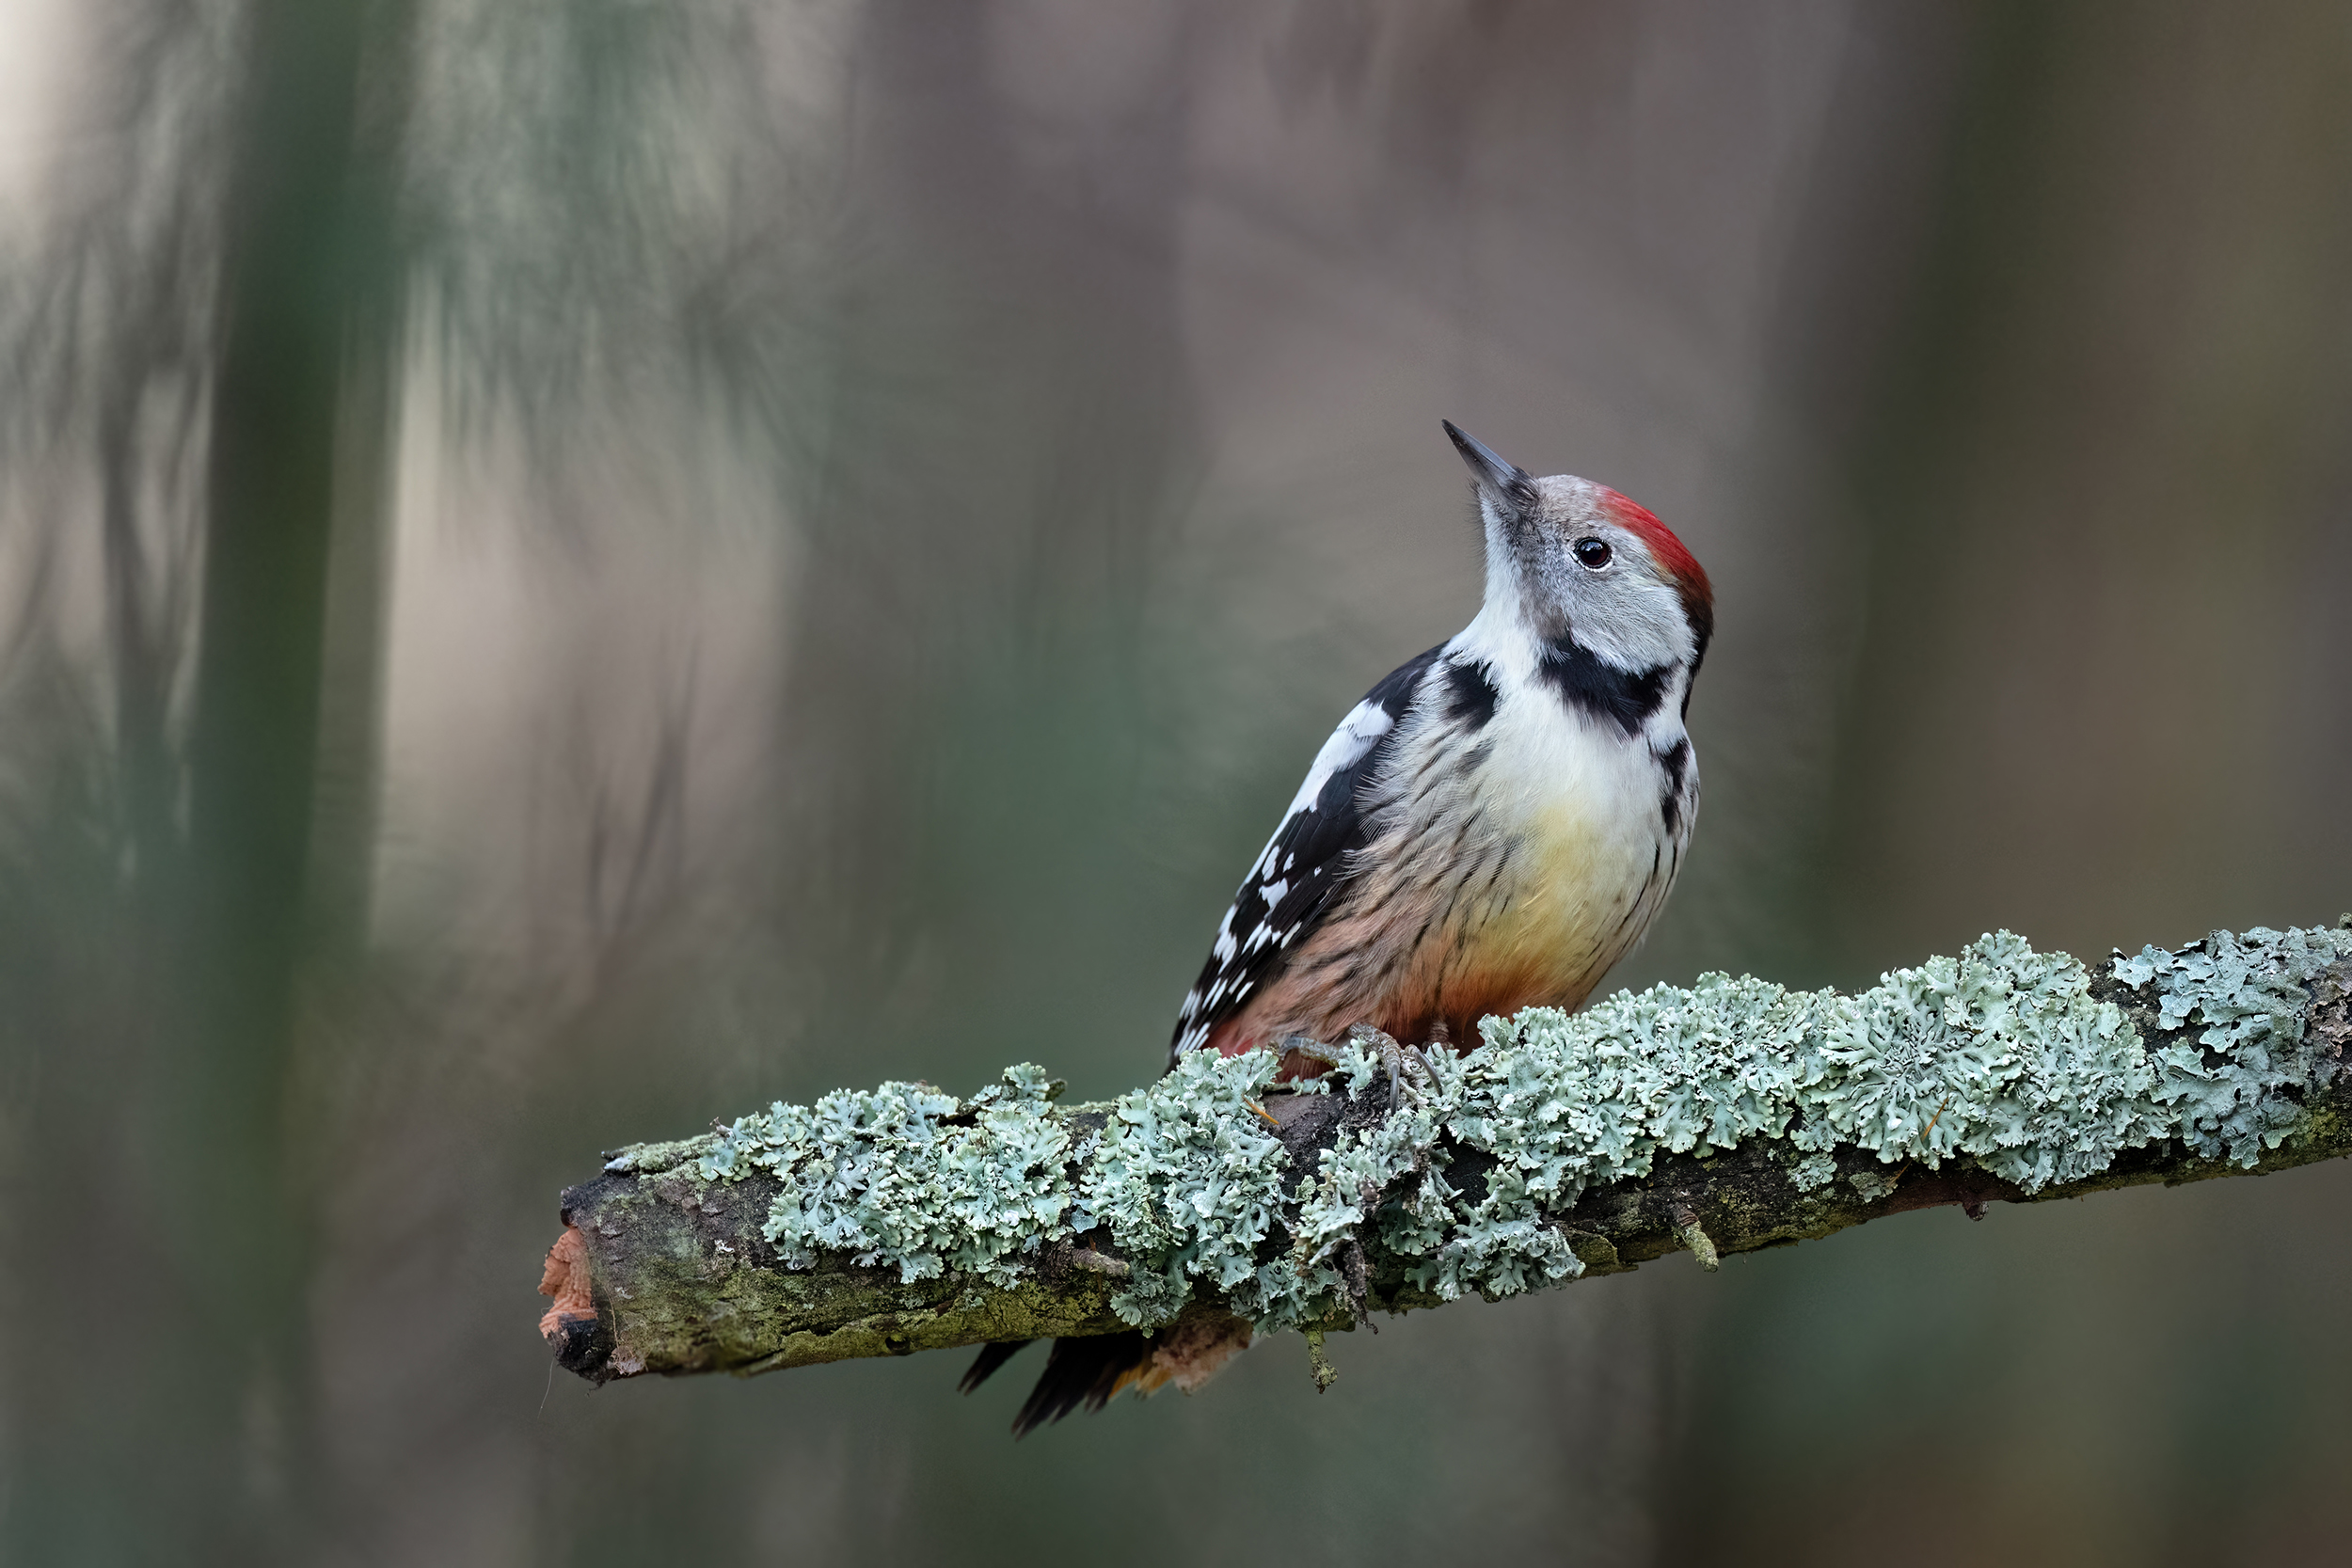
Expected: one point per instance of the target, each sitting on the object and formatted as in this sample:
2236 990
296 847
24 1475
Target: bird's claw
1313 1050
1395 1059
1404 1066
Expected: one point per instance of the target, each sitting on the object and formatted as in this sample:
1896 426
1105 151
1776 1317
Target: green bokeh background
576 566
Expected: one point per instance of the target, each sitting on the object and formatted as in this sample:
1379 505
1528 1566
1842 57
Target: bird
1493 827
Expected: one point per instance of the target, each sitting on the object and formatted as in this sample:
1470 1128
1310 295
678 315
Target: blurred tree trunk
2118 388
1007 536
307 311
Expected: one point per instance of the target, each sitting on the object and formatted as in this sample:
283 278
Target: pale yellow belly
1517 883
1454 926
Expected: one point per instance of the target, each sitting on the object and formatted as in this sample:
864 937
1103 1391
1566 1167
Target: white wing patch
1278 903
1362 730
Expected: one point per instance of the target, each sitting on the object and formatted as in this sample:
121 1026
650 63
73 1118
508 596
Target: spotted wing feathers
1290 886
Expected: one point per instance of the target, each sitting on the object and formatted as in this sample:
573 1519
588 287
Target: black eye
1594 553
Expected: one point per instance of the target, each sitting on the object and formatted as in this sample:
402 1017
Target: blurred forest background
569 567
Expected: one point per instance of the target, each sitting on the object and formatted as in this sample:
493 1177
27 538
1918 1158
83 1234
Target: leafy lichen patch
2235 1089
1189 1181
907 1176
1813 1172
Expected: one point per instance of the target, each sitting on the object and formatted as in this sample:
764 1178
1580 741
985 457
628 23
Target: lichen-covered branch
1725 1118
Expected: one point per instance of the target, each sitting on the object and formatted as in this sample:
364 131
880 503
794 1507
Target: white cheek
1633 623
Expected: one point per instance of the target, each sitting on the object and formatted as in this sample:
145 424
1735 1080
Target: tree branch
1726 1117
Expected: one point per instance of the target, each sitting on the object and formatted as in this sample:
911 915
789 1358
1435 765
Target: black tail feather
1080 1373
992 1355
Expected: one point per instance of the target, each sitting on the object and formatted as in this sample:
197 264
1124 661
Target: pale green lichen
1872 1184
1188 1178
1999 1053
2230 1091
886 1176
1813 1172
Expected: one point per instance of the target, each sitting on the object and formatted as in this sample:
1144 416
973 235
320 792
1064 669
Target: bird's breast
1566 860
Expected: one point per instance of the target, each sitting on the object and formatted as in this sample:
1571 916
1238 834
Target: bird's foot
1407 1070
1404 1066
1304 1059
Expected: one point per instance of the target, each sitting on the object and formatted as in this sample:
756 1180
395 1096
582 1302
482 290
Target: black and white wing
1290 886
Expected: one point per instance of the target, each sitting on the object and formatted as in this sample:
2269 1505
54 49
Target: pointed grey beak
1506 481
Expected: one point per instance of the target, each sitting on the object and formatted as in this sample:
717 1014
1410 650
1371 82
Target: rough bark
661 1269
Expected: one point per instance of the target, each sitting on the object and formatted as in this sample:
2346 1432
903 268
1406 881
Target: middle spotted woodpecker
1492 828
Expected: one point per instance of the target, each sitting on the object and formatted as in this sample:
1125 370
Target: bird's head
1575 559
